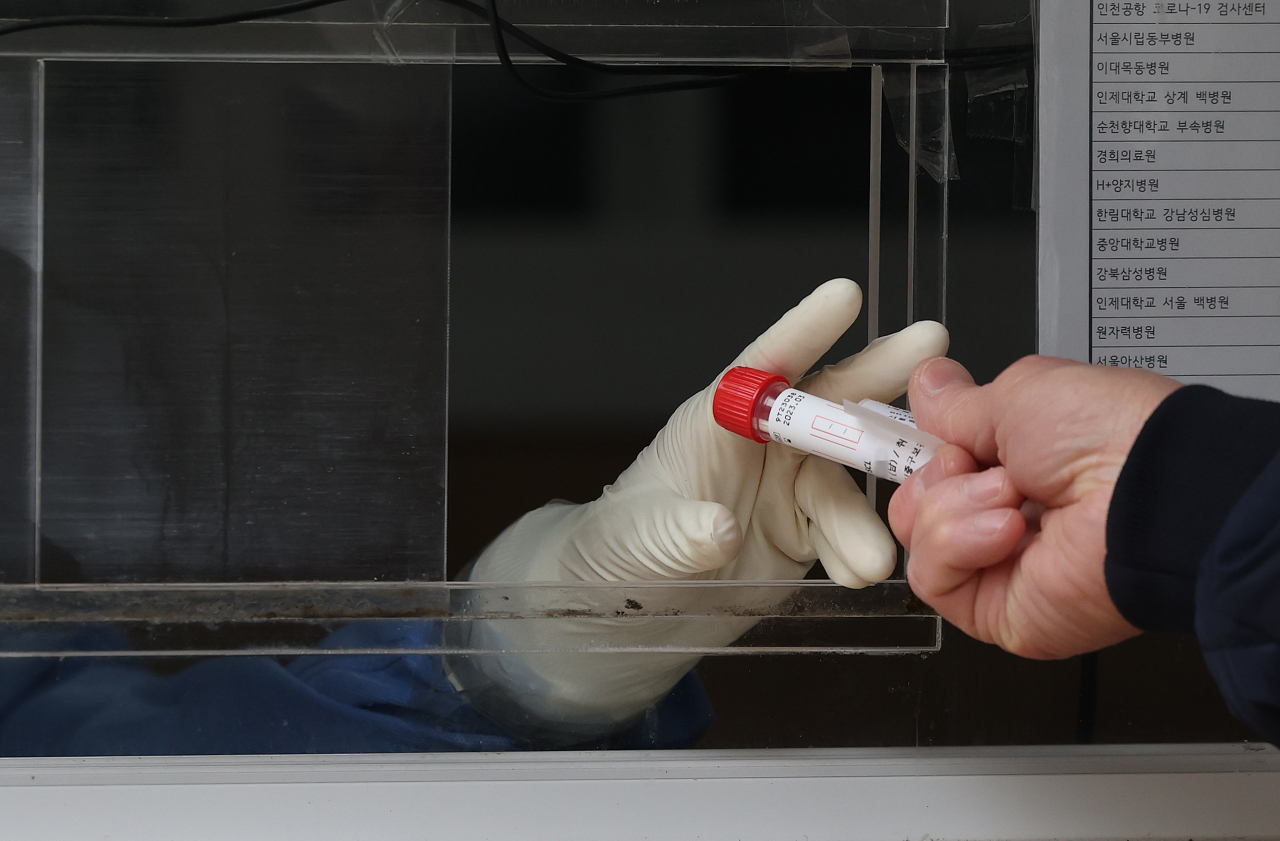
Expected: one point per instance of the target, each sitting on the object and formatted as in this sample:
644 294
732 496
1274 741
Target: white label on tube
853 435
891 412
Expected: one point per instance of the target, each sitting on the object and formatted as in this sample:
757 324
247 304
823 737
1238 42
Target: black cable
956 58
717 76
574 61
166 22
504 58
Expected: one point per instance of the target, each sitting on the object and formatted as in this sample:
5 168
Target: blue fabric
1238 605
1165 516
360 703
1196 547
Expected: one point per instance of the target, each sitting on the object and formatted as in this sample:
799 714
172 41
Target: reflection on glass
244 323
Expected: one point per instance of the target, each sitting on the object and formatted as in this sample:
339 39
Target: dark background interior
244 313
609 259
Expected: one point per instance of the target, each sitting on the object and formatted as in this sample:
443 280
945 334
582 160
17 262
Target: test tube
877 439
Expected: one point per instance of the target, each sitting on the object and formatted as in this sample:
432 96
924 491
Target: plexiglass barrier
281 619
234 263
800 32
226 314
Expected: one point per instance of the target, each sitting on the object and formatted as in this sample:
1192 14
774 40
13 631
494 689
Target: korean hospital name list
1185 172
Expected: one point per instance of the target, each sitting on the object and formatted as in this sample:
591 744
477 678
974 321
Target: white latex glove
699 502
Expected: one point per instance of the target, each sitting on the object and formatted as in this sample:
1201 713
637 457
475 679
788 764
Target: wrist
530 549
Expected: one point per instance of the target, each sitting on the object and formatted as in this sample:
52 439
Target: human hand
699 503
1007 527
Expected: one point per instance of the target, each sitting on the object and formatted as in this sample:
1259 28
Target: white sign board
1160 188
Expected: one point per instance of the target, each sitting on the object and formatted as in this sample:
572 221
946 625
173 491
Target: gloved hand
699 503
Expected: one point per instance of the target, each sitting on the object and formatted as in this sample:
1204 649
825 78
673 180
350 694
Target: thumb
654 535
946 401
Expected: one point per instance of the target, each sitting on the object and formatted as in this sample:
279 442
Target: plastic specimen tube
875 438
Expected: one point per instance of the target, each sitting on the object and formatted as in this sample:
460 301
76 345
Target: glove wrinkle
698 503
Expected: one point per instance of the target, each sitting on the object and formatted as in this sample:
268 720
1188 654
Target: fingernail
928 476
984 486
939 373
990 522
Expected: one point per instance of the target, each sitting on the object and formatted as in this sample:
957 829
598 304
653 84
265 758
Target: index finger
880 370
905 502
796 342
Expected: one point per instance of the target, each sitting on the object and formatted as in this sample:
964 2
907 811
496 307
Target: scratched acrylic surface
244 322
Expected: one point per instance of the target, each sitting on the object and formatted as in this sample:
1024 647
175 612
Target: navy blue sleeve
333 703
1193 540
1238 605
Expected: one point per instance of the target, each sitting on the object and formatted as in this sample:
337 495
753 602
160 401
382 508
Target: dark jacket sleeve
1193 540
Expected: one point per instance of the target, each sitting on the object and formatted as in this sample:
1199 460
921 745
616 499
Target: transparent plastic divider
874 222
746 46
161 620
932 162
913 172
852 14
908 224
455 599
918 101
294 41
794 32
937 167
890 226
193 618
245 322
19 317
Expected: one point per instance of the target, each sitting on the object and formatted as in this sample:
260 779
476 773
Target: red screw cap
736 397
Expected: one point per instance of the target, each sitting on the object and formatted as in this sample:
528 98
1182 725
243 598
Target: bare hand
1007 527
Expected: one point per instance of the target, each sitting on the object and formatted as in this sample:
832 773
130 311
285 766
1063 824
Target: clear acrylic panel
241 383
936 168
19 267
237 413
908 228
237 343
678 617
800 32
